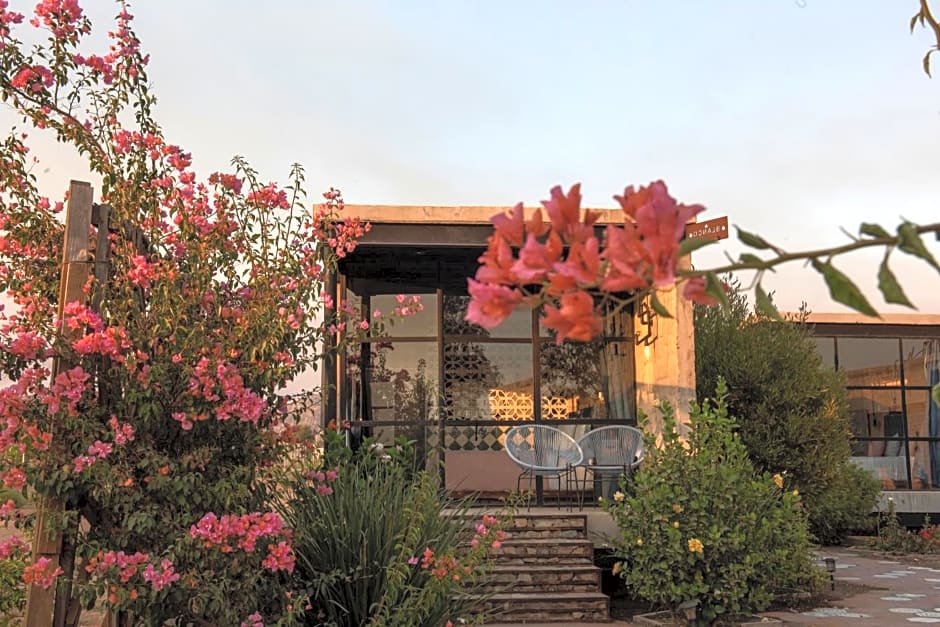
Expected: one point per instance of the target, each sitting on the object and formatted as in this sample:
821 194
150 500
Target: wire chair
542 451
609 453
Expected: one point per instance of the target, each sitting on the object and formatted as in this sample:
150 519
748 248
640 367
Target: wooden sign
716 228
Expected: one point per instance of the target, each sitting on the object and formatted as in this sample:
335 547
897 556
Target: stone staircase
544 572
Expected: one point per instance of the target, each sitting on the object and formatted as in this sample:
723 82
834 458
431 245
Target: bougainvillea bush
152 407
698 523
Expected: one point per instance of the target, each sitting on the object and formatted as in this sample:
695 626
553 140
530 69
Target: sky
794 118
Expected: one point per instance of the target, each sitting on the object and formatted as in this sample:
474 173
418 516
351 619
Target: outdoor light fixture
689 610
647 318
831 569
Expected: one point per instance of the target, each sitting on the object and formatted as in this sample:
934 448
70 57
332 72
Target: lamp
647 318
689 609
831 569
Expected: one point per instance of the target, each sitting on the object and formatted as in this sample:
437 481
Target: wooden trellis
51 607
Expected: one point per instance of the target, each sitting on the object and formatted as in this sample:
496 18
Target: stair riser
530 588
521 534
523 554
544 610
561 581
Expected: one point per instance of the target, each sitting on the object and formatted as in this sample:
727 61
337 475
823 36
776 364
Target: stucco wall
665 370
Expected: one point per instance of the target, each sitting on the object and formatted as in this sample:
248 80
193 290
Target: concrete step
545 551
543 578
547 526
560 607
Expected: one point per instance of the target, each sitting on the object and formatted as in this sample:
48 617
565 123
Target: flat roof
455 214
885 318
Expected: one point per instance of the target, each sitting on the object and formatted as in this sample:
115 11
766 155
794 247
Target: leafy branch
927 20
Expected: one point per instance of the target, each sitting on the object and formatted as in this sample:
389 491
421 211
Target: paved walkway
892 591
903 591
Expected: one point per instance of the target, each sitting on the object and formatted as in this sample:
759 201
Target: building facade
890 364
456 388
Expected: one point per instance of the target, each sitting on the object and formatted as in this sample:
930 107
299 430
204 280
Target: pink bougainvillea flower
490 304
497 262
41 573
510 225
660 221
583 262
694 291
564 210
575 319
628 261
536 259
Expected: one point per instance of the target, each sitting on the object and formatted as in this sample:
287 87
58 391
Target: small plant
378 543
894 538
697 523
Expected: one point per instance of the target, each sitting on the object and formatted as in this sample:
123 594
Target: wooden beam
76 268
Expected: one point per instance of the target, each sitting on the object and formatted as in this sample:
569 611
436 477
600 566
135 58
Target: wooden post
76 268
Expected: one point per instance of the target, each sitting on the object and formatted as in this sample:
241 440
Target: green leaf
909 241
842 289
754 241
687 245
935 394
765 305
752 259
716 289
873 230
890 288
658 307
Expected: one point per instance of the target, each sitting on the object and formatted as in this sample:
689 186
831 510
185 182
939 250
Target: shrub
378 543
844 505
791 409
700 524
894 538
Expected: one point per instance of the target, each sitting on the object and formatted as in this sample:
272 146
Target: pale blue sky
792 120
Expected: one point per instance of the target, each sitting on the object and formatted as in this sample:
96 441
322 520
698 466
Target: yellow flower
778 481
796 492
619 496
677 508
695 545
618 566
600 499
639 541
676 524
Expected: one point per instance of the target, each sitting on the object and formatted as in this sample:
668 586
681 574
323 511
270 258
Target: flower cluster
320 480
486 535
43 573
569 263
340 234
231 532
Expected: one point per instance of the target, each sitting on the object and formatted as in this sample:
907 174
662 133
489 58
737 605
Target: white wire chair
542 451
609 453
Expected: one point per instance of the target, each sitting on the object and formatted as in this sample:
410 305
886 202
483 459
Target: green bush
14 557
791 409
698 523
844 505
377 543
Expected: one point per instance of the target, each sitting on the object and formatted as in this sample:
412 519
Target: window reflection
826 348
870 361
422 323
517 325
488 381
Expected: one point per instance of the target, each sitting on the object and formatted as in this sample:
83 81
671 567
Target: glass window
403 380
826 348
919 356
416 324
518 325
876 413
488 381
870 361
